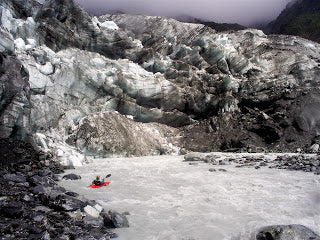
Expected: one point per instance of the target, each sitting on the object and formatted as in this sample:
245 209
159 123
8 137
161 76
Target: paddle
109 175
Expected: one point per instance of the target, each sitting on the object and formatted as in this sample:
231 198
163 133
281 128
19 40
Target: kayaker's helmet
98 177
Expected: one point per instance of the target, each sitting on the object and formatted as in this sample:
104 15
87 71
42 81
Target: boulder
315 162
314 148
12 210
15 178
194 156
43 181
71 176
286 232
92 211
119 220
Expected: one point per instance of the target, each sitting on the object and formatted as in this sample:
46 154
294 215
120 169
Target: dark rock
12 210
15 178
45 172
119 220
222 170
212 170
15 99
107 221
286 232
315 163
222 162
25 168
193 157
63 202
297 163
44 181
27 198
72 194
35 230
39 218
114 219
16 152
93 222
71 176
40 211
41 190
23 185
193 164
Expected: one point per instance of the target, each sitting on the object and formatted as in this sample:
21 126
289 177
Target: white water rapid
172 200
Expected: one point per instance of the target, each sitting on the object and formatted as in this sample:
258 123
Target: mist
245 12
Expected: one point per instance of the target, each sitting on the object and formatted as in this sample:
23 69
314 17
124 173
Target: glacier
185 77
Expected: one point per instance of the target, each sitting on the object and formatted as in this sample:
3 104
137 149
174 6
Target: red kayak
104 184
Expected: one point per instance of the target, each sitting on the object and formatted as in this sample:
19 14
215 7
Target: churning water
172 200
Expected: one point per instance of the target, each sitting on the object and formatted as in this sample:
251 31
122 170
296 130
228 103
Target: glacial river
168 199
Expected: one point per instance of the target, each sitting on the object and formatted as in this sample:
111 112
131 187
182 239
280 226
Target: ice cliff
141 85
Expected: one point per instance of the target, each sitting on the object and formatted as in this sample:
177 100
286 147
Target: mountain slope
221 27
300 18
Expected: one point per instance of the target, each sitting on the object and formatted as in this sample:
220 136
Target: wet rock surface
34 206
115 219
71 176
286 232
293 162
15 103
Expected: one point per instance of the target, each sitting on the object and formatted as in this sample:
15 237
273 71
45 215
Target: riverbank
34 206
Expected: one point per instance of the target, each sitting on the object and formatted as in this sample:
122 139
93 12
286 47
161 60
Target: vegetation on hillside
221 27
301 19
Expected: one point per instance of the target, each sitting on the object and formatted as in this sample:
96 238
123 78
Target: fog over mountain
245 12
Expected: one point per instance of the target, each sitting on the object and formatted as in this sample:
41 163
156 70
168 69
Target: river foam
170 199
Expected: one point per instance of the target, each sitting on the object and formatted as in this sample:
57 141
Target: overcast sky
243 12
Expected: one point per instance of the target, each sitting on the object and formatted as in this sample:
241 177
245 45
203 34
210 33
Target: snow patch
45 69
130 117
20 44
98 62
31 21
63 153
260 33
109 25
98 207
137 43
31 42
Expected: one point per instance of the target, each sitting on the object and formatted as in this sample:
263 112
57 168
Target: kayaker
98 181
